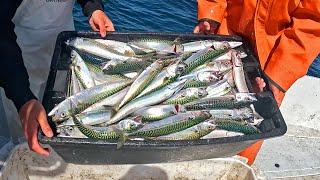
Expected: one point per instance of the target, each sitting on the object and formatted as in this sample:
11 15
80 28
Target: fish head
75 42
202 114
178 48
221 45
130 124
248 97
60 112
178 85
245 113
202 92
236 58
207 76
207 126
176 68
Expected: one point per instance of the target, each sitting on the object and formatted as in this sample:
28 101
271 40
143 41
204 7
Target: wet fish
187 95
158 45
111 101
110 132
220 133
224 102
147 100
165 77
203 44
118 46
227 56
171 124
101 78
222 87
203 76
126 67
240 114
86 98
70 132
215 66
238 73
142 81
201 57
81 71
193 133
90 117
236 126
99 49
158 112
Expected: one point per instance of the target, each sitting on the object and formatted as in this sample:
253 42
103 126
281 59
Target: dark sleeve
88 6
13 74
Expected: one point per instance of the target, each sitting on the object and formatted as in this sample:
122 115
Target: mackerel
158 112
165 77
192 133
148 100
203 44
187 95
86 98
142 81
171 124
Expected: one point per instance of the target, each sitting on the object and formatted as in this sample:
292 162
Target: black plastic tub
91 151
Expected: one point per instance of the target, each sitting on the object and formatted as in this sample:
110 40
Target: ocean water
146 15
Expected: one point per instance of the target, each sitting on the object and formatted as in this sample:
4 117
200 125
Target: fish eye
63 115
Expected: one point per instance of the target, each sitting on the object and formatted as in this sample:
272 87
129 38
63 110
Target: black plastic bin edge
72 149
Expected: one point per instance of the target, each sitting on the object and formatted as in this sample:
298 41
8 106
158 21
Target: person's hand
32 114
99 21
206 27
260 84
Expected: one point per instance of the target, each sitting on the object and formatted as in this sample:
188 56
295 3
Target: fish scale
192 133
149 118
170 125
203 58
216 103
182 100
194 83
127 67
236 126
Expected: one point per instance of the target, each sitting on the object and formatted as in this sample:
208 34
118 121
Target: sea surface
146 15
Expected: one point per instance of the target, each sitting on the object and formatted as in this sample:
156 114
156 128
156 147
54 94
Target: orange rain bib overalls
285 35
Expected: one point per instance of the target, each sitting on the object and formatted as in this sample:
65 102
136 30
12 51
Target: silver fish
238 73
219 89
111 101
159 45
202 76
166 76
187 95
147 100
158 112
81 70
93 47
215 66
244 113
70 132
193 133
227 56
75 84
203 44
171 124
90 118
219 133
142 81
118 46
86 98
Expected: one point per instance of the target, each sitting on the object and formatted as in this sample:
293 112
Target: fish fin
122 139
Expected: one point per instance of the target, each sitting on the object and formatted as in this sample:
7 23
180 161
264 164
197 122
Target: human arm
210 15
15 81
296 48
98 20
